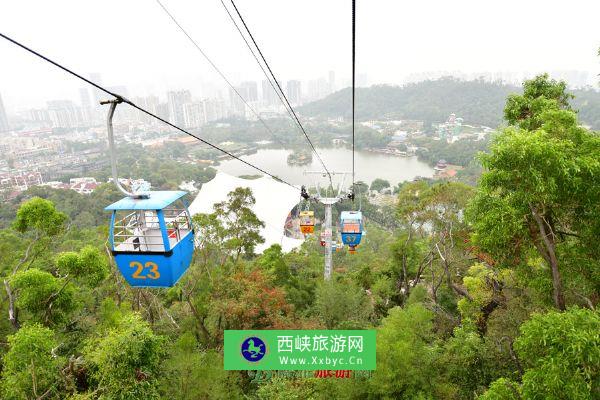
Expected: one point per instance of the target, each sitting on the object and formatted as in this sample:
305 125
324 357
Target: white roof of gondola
274 201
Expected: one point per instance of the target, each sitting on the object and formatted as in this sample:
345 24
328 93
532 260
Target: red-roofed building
84 187
447 173
20 181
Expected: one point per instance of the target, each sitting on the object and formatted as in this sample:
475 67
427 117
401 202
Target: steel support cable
132 104
212 64
257 61
281 90
353 83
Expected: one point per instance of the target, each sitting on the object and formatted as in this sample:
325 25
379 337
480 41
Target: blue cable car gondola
351 225
152 239
151 233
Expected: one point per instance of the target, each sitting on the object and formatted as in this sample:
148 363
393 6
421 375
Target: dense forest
476 292
432 101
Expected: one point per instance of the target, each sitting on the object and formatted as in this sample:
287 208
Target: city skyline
181 107
149 55
261 92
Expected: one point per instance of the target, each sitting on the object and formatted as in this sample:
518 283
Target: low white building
188 186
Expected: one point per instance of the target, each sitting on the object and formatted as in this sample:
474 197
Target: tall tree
539 95
38 221
231 231
541 185
241 224
434 230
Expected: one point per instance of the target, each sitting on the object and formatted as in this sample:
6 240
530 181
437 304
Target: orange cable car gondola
307 222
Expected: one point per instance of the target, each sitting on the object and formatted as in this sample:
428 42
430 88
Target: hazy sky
133 43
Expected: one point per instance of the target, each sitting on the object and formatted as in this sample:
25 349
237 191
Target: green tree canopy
47 298
540 187
39 215
405 355
561 353
379 184
89 265
30 369
125 361
539 95
561 356
241 224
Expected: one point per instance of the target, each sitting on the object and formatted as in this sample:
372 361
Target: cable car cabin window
178 221
307 220
137 230
351 227
140 230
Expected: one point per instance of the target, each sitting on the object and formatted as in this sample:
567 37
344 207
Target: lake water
368 166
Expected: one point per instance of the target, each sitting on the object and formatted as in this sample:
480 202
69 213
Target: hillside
457 292
478 102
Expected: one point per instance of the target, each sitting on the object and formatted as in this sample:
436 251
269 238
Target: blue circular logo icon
253 349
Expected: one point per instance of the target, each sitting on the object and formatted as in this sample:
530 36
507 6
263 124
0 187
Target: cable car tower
328 202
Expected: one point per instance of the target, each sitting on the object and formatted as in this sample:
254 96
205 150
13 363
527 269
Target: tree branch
26 255
12 311
550 249
512 353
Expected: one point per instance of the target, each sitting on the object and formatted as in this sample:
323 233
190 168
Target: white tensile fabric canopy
274 201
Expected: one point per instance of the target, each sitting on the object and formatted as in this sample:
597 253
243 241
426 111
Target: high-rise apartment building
214 109
194 114
64 114
294 92
317 89
151 104
176 100
86 105
84 98
331 79
39 115
162 110
238 108
97 94
269 96
249 90
3 118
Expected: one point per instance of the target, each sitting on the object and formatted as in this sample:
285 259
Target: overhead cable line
281 90
212 64
353 82
277 91
132 104
258 61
